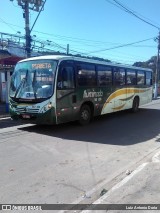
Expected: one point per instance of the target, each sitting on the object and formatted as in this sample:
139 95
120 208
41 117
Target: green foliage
151 64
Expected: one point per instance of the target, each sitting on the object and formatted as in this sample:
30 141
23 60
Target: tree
151 64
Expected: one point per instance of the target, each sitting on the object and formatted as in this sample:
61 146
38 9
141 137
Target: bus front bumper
48 117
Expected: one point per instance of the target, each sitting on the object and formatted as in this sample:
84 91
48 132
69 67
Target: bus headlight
46 107
49 106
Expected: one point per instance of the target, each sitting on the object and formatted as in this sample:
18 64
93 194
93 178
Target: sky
91 27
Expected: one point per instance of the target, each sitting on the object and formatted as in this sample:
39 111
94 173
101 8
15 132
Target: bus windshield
33 80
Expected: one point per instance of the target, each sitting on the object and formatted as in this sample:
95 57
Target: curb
155 159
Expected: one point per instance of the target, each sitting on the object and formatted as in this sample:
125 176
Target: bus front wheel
85 115
135 106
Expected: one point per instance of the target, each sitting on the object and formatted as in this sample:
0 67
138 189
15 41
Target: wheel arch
136 97
135 104
91 105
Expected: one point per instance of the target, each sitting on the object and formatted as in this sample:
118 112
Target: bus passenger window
86 74
148 78
104 75
140 78
66 78
131 77
119 77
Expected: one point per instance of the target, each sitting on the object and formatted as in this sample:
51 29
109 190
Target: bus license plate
25 116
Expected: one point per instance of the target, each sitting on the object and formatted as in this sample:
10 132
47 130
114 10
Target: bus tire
135 105
85 115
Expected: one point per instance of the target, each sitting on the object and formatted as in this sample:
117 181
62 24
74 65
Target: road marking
5 118
118 185
156 158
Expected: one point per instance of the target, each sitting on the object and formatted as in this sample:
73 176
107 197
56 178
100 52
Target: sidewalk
137 191
3 112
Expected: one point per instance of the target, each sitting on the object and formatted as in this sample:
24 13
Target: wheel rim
85 115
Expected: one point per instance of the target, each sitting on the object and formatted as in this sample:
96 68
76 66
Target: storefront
7 64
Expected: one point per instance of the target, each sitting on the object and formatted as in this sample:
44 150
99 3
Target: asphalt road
73 164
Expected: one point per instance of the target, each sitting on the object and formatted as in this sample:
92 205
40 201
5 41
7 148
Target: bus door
66 96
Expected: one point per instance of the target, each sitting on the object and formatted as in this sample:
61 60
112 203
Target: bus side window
66 78
104 75
86 74
140 78
148 78
131 77
119 77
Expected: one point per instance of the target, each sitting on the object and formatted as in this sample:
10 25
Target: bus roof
65 57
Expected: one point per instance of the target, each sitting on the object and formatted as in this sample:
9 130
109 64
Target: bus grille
26 110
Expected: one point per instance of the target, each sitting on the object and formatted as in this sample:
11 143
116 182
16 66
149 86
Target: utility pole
27 29
157 68
36 5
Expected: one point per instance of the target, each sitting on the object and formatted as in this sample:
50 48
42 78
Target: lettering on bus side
96 95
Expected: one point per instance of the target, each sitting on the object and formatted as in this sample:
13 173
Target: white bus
58 89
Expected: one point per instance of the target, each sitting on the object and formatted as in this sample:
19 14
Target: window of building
86 74
104 75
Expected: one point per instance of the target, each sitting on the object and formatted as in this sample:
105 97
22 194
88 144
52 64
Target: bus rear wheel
85 115
135 106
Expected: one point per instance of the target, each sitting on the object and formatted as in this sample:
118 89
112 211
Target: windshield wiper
22 82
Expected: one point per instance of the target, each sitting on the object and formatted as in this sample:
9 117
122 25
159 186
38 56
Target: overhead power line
72 39
86 42
7 24
124 45
133 13
43 46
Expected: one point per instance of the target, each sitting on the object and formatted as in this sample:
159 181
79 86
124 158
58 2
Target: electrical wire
121 6
60 37
7 24
54 47
124 45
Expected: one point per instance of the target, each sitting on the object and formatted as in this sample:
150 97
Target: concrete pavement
139 190
139 186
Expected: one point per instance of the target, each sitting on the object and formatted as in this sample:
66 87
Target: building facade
7 64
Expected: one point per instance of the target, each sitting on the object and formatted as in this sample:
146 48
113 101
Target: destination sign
41 66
